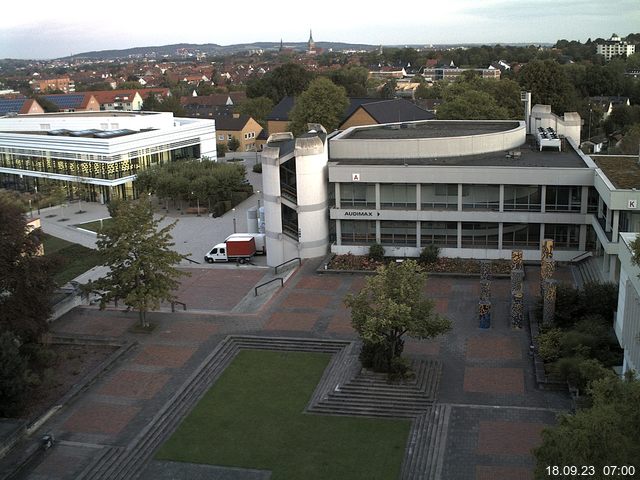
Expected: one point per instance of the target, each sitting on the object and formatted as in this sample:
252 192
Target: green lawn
74 259
95 226
253 418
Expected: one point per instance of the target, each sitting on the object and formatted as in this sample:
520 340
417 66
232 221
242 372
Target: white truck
240 250
261 247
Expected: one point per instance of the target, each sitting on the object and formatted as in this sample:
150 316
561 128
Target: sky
40 29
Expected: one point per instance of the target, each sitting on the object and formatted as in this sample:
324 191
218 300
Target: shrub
599 299
376 252
221 149
579 372
257 168
430 254
549 344
14 375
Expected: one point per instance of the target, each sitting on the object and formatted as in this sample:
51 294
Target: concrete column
584 198
459 234
500 229
501 204
418 239
378 198
541 234
582 245
607 222
615 225
600 204
543 199
613 260
459 199
418 197
378 237
338 232
337 194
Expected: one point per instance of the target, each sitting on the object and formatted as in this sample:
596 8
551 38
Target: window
592 201
565 237
481 197
398 196
221 137
439 196
398 233
442 234
522 198
358 232
563 199
357 195
479 235
229 136
521 235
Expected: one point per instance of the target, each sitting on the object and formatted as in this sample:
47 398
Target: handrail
173 306
581 256
288 261
267 283
192 261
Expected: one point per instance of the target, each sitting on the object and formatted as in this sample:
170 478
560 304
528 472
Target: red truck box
241 247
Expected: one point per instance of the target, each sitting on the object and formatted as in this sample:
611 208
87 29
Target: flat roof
529 156
622 171
430 129
101 113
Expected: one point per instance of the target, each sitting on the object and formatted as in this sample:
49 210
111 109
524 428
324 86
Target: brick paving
164 355
103 418
487 375
494 380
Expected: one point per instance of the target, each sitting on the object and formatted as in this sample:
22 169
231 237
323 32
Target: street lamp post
589 124
234 219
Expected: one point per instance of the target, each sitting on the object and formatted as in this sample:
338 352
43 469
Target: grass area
95 226
253 418
73 259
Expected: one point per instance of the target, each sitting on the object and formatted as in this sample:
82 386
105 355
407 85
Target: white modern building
102 150
615 47
627 320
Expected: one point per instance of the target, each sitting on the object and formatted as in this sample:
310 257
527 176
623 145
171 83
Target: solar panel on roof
66 101
13 105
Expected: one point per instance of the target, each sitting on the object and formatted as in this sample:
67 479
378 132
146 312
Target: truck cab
217 254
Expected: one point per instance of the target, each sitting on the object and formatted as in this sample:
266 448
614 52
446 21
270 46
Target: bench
195 210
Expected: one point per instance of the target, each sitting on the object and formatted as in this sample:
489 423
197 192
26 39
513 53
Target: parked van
261 247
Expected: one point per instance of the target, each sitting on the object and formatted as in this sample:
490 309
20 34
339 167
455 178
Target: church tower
311 45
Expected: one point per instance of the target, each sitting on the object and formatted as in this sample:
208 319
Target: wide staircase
588 270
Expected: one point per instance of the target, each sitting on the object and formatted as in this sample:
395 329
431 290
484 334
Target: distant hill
211 49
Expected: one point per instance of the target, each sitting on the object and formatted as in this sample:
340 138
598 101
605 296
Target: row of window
247 136
445 234
474 197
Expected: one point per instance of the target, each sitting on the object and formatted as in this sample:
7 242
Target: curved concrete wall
429 147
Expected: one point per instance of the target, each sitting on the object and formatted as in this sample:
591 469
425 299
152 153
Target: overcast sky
39 29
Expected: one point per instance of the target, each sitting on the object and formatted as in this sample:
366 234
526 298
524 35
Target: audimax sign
361 213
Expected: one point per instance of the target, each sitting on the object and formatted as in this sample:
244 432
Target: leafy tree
635 250
587 437
549 85
13 375
257 108
471 105
233 144
141 263
323 102
389 89
393 304
353 78
47 105
289 79
151 103
26 282
221 149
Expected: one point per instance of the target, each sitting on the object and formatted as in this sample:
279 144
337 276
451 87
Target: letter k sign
632 204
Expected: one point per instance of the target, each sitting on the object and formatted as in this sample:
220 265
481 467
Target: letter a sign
355 177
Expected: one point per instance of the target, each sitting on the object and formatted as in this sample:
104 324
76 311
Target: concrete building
64 84
100 150
627 319
615 47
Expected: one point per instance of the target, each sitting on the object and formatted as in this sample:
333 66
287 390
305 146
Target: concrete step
365 411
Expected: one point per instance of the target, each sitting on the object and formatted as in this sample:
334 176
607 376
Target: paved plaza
487 381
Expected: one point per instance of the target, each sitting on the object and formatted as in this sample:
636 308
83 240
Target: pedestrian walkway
486 416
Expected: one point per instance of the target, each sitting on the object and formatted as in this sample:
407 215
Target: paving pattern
482 424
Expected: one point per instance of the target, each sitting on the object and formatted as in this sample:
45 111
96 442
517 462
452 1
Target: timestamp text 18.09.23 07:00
613 471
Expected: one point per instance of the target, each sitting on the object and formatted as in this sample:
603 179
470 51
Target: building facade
615 47
102 152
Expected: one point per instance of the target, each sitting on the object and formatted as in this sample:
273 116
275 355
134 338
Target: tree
549 85
141 263
608 433
289 79
388 90
353 78
26 283
471 105
323 102
13 375
257 108
392 304
635 250
233 144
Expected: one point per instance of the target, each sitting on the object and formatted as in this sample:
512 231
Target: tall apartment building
615 47
64 84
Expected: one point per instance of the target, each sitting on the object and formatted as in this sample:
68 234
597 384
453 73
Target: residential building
209 106
242 127
607 103
64 84
451 73
21 106
102 150
74 102
615 47
124 100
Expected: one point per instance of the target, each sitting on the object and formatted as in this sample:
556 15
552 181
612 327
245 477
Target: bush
257 168
376 252
221 149
579 372
430 254
549 344
13 375
377 357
